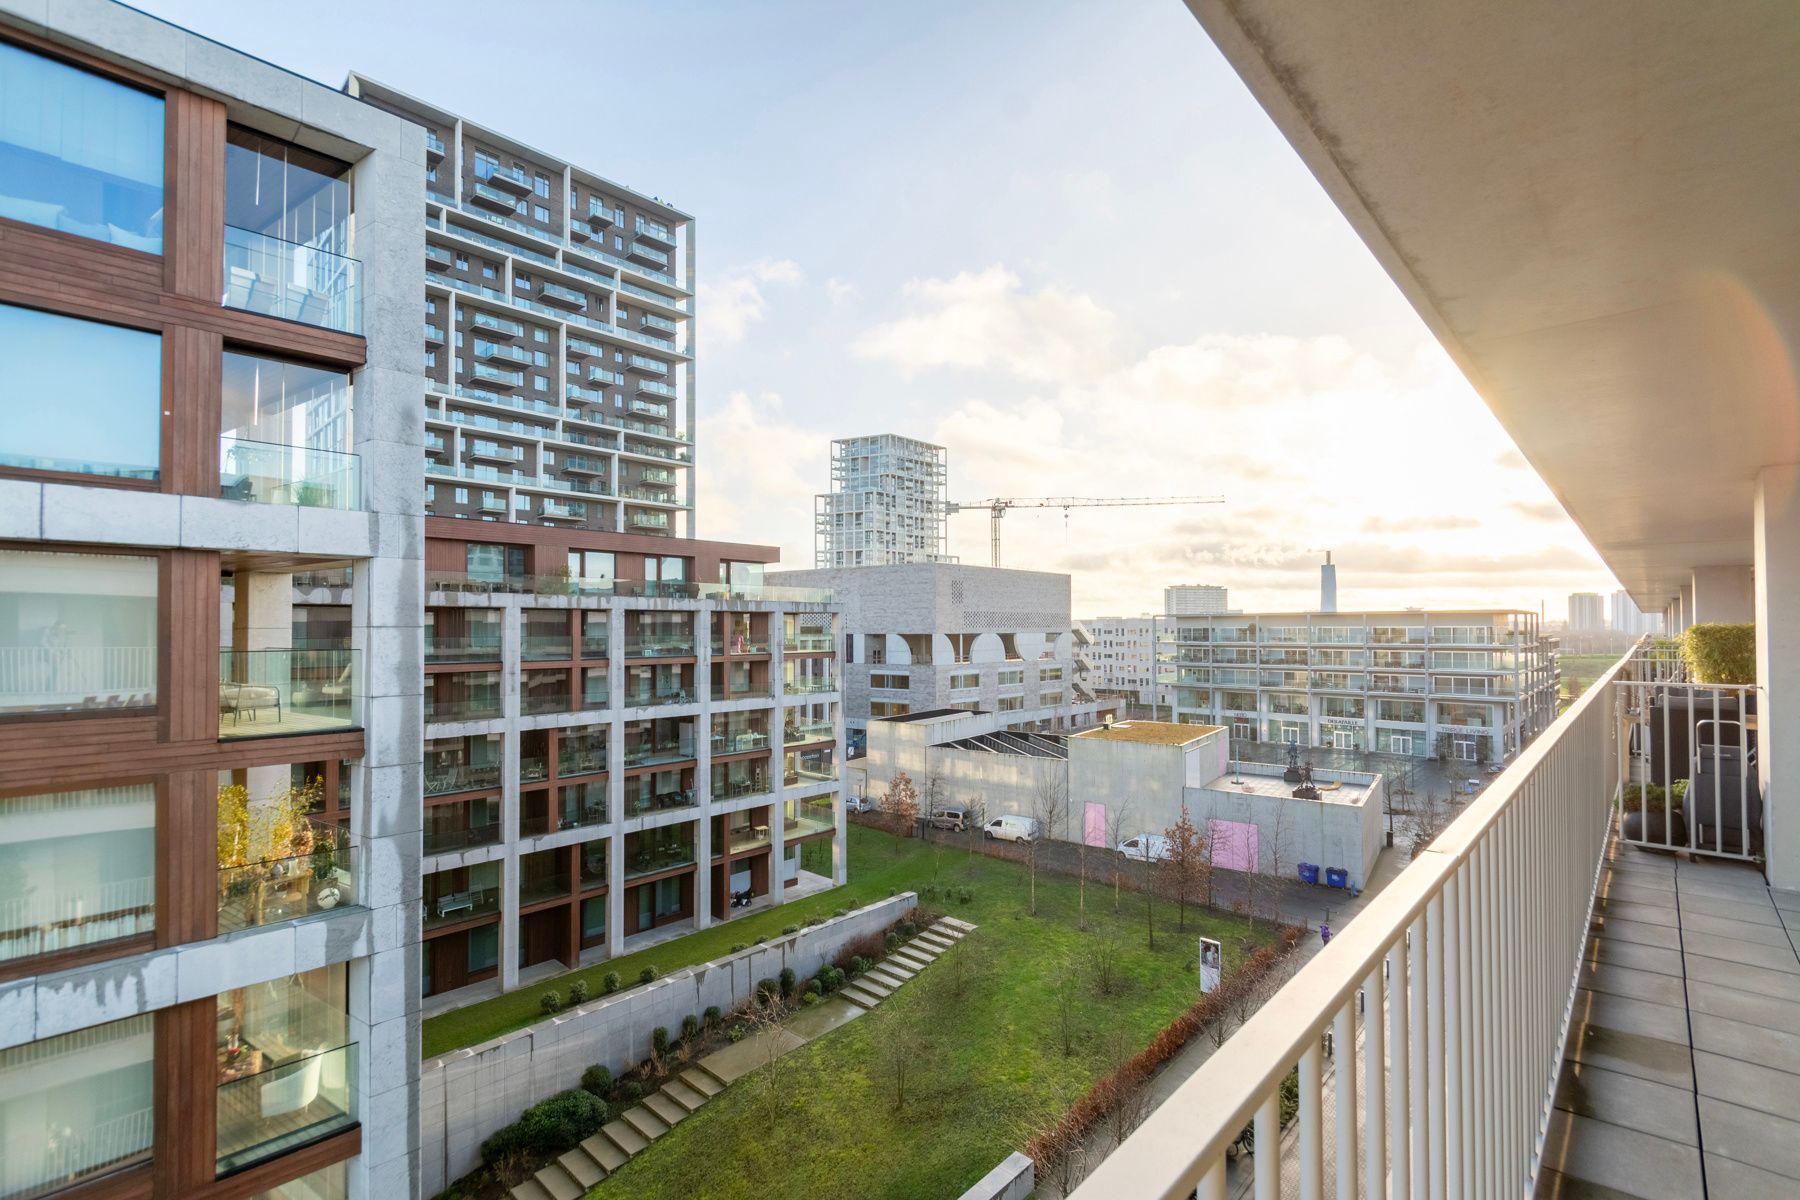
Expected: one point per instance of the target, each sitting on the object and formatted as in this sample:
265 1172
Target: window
487 270
81 867
540 383
495 563
77 631
541 185
79 153
108 378
618 242
1011 703
284 433
287 233
462 264
540 213
99 1081
462 495
960 680
1012 677
485 164
431 175
592 568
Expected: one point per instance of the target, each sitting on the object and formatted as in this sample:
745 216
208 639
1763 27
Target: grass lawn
984 1045
1583 669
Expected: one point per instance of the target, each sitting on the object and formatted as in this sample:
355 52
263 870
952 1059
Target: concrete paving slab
822 1018
646 1122
1747 1083
624 1136
1751 1137
1738 950
1746 1007
1639 1164
1663 937
1734 1039
1639 985
1620 1099
1638 958
735 1061
604 1151
582 1168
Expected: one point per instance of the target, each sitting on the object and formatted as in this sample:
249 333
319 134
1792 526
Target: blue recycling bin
1337 877
1309 873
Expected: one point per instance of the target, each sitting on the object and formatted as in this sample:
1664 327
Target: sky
1057 237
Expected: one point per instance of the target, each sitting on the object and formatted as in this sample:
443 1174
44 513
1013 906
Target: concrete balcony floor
1682 1073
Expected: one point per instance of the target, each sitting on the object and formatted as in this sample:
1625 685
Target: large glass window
79 152
76 868
75 1106
287 233
285 434
77 631
77 395
285 1064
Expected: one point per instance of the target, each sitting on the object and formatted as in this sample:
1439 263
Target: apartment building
1587 612
208 830
1474 686
557 343
888 504
1119 657
924 636
1193 599
622 734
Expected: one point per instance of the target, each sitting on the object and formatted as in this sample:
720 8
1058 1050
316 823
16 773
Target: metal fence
1448 1000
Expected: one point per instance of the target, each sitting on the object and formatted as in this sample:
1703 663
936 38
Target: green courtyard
929 1091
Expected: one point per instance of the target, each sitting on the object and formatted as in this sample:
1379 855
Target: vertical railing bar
1212 1184
1668 698
1399 1108
1718 806
1375 1084
1267 1159
1312 1121
1343 1042
1435 1002
1744 771
1419 1021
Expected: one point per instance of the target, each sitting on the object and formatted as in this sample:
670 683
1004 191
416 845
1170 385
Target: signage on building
1212 965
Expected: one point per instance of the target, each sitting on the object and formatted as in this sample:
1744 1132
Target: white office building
887 504
1193 599
1587 612
1118 656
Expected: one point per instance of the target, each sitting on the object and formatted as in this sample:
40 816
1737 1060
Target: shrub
768 989
659 1040
842 912
712 1016
550 1001
596 1080
631 1091
906 928
609 983
648 973
891 943
548 1127
786 930
829 978
735 1033
787 981
578 991
759 941
810 998
690 1027
738 946
813 986
1720 653
811 921
965 895
859 964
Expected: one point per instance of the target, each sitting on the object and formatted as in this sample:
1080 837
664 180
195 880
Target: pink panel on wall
1093 824
1233 844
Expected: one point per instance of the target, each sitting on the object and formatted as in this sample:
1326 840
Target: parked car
954 819
862 804
1012 829
1147 847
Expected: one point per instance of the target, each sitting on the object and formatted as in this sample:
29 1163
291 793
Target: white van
1012 829
1147 847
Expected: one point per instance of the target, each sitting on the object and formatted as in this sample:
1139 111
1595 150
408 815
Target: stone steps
624 1136
646 1122
671 1113
531 1189
559 1183
702 1081
854 993
605 1151
581 1168
888 976
684 1094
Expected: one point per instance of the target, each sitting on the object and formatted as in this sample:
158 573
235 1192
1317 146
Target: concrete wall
1328 832
1147 781
468 1094
1013 1179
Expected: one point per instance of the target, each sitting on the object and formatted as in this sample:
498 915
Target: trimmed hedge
1720 653
548 1127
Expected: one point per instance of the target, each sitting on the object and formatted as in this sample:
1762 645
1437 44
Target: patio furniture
456 902
240 698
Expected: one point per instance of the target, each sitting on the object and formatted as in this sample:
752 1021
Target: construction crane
997 506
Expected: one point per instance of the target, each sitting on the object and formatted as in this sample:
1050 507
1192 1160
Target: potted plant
1646 816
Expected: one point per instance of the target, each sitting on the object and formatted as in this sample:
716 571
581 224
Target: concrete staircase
571 1175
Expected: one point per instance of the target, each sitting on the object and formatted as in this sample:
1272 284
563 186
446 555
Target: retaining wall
467 1094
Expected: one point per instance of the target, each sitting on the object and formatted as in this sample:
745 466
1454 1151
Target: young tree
1050 806
901 804
1118 817
976 814
1185 872
1130 1098
1103 962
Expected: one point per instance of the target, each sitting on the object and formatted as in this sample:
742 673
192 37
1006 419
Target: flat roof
1275 786
1153 733
932 714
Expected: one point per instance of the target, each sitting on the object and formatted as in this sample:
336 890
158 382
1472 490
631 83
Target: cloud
1512 460
759 454
1417 524
1547 511
734 301
842 292
985 320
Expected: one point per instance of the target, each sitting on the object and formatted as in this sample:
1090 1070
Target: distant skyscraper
887 504
1193 600
1628 618
1587 612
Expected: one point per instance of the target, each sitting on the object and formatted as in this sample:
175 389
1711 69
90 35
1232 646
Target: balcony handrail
1517 872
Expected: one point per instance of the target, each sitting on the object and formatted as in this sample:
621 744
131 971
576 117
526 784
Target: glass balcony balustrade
453 907
274 890
266 473
263 1113
263 693
295 282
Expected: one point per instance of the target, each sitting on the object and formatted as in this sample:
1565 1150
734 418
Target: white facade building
1193 599
1587 612
887 504
922 636
1474 686
1120 658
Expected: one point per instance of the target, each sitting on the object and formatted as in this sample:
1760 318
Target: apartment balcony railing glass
540 647
656 387
469 648
283 889
267 1112
810 766
801 732
643 803
654 755
803 685
675 645
809 817
265 473
581 805
808 643
731 785
451 907
462 696
263 693
534 889
443 779
581 753
447 839
656 850
265 274
745 838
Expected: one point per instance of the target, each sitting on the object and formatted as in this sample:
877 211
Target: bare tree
901 804
1117 815
1103 961
975 816
1279 829
1066 1022
1130 1098
1050 808
1184 873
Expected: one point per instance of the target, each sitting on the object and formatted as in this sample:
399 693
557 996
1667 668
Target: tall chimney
1327 586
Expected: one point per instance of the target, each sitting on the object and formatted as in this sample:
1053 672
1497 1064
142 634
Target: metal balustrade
1447 1002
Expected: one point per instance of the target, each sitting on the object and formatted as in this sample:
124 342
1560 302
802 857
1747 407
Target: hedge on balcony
1720 653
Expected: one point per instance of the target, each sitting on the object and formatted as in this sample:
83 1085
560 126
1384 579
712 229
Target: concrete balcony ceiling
1592 207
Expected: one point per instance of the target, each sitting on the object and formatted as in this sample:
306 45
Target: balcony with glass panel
99 1081
799 731
659 685
492 326
662 791
667 848
461 894
656 635
81 866
461 825
582 805
543 876
498 376
638 252
462 635
544 691
266 693
658 742
462 764
639 519
580 752
276 863
544 636
801 683
565 297
462 696
486 195
286 1067
803 767
296 282
808 818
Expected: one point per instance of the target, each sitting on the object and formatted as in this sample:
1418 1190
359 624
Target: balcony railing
268 473
265 274
447 908
808 731
267 692
461 777
645 756
444 841
284 889
638 806
659 646
268 1112
461 649
1447 1001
